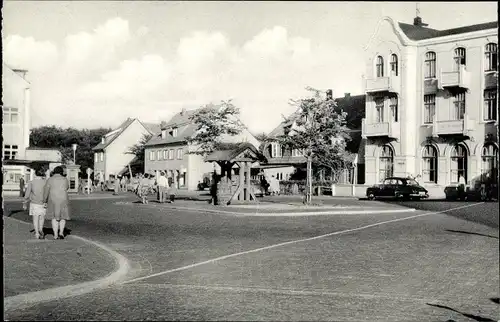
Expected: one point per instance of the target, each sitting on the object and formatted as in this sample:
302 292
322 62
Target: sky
95 63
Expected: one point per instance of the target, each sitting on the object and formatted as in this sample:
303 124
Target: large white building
431 103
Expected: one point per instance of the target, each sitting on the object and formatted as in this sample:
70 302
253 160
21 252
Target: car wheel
371 196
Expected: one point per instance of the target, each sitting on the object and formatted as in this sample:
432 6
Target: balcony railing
430 86
383 84
384 129
459 78
453 127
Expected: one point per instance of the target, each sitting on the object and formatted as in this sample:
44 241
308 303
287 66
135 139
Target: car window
387 181
411 182
394 181
400 182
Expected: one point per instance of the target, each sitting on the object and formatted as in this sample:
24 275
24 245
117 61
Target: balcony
454 127
430 86
455 79
385 129
491 80
383 84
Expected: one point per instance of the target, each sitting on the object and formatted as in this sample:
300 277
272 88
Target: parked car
477 192
397 187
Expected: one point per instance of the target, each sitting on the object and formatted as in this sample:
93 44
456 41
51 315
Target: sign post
89 172
354 174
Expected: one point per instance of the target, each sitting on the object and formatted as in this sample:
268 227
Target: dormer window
173 132
103 140
163 134
380 66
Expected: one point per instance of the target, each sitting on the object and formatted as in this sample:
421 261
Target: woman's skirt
37 210
144 191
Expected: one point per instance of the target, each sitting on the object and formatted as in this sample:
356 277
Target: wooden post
242 180
247 168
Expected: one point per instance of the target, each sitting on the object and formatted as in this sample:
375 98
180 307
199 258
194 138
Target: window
429 108
171 154
430 162
158 155
10 151
275 150
96 157
165 154
102 156
151 155
179 154
379 107
490 105
458 163
459 58
297 152
380 66
458 112
174 132
10 115
386 162
394 108
430 65
489 161
394 64
491 56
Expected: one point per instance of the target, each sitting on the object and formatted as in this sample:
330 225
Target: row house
431 103
112 155
169 151
282 163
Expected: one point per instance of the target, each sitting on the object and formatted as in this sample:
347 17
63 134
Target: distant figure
162 183
117 186
56 196
264 184
461 185
274 185
123 183
21 187
34 195
213 190
144 188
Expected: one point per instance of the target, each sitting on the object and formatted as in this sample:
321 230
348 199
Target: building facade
431 103
170 152
18 159
112 155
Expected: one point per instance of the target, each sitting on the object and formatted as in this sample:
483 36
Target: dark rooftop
420 33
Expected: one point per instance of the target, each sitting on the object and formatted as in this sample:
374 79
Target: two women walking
49 199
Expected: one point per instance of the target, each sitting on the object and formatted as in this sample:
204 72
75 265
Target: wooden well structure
236 187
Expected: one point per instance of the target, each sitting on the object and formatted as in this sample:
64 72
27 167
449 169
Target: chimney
417 21
183 111
329 94
347 95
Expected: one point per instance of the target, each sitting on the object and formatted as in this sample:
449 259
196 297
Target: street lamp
74 146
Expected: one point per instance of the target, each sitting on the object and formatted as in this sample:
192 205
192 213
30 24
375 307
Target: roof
230 153
153 128
110 139
354 106
185 127
420 33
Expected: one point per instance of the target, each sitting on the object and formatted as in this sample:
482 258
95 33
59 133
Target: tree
53 137
319 131
214 123
139 150
263 139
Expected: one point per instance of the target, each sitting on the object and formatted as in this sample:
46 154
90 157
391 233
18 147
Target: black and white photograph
250 161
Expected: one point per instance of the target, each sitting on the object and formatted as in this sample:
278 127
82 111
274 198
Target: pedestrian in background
123 183
21 187
37 207
144 188
162 187
117 186
55 195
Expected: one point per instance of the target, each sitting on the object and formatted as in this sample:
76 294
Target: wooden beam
242 180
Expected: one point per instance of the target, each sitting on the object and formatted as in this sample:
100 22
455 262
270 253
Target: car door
385 189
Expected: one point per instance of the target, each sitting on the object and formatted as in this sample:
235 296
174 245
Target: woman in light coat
55 195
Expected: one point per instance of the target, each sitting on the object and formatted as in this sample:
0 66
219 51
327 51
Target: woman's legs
62 224
41 221
55 228
36 223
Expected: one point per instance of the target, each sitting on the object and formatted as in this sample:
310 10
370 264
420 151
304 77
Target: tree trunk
309 181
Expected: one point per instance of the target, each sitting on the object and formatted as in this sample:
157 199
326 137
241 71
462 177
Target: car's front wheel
371 196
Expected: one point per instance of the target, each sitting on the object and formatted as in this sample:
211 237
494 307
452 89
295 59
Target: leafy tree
263 139
213 124
54 137
139 150
319 131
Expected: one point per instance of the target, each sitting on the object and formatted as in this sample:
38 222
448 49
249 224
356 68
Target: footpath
32 265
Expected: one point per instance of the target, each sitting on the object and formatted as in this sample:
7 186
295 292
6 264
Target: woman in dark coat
56 196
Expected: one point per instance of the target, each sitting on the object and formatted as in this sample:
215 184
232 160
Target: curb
286 214
75 197
29 299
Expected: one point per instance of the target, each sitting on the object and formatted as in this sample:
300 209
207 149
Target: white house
111 154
